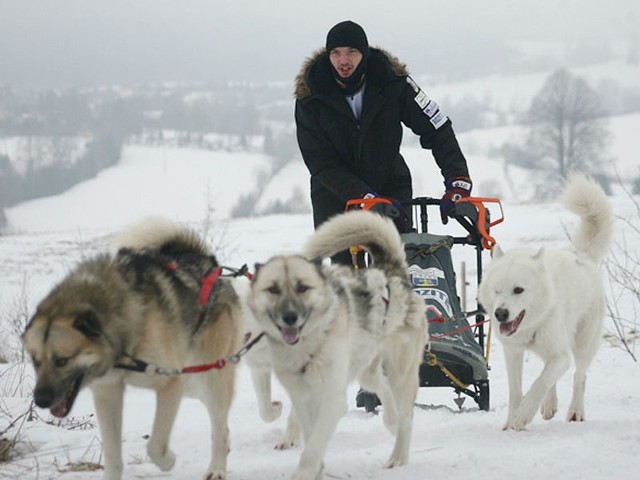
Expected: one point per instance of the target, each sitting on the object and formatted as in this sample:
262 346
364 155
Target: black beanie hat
347 34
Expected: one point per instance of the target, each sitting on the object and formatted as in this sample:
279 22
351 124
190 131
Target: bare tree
623 267
567 131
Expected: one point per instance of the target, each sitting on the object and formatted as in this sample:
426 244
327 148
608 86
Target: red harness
205 297
207 284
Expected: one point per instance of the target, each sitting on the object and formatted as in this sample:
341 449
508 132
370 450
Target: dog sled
456 354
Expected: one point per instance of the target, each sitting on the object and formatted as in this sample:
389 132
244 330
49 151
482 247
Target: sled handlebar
470 212
483 223
366 203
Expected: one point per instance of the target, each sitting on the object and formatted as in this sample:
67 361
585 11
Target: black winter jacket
348 158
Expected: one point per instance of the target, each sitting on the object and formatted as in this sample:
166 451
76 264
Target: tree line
52 123
566 130
566 125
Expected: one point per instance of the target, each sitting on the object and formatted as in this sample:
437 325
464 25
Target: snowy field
51 236
47 237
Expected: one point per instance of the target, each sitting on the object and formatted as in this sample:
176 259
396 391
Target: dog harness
208 284
147 368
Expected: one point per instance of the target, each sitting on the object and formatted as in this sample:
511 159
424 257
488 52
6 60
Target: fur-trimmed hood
315 74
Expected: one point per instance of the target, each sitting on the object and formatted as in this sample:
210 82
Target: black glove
395 211
456 188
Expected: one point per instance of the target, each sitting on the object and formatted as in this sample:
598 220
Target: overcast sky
79 42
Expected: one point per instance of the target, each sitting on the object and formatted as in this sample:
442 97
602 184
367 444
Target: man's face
345 60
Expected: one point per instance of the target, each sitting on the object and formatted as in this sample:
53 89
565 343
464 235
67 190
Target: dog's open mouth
290 335
509 328
63 407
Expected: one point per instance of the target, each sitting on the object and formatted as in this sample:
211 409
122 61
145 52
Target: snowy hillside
505 97
189 185
45 238
447 443
512 94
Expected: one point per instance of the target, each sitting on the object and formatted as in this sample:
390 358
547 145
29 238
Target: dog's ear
88 324
256 269
497 251
29 323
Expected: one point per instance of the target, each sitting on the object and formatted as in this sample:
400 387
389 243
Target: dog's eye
36 363
518 290
273 290
60 362
302 288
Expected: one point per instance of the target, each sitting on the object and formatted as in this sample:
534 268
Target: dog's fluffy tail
162 235
377 234
584 197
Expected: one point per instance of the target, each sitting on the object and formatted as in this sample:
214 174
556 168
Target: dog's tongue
509 328
290 335
60 410
506 328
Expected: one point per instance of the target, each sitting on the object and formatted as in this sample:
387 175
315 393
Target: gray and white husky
143 302
327 324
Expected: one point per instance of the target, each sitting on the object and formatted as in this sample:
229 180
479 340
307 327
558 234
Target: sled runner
456 355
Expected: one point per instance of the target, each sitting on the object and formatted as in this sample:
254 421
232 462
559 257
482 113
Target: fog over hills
80 42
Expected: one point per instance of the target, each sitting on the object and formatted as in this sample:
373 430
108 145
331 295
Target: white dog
552 302
328 324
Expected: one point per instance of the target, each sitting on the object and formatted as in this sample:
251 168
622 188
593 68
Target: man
351 102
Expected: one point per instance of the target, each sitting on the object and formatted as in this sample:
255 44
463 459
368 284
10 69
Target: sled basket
452 340
455 353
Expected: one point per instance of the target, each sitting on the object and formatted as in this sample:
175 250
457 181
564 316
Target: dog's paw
549 410
291 435
214 475
523 415
396 461
549 406
515 423
112 474
517 426
520 421
271 413
574 415
165 461
305 474
287 442
285 445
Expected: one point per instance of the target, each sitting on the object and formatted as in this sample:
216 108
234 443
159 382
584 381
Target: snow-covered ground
51 235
